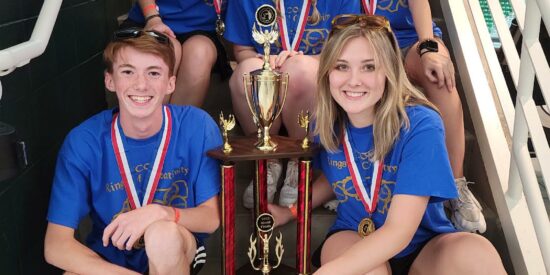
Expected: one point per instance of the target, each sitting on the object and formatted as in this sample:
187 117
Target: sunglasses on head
374 22
135 33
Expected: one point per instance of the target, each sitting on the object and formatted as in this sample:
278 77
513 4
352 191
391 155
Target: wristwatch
427 46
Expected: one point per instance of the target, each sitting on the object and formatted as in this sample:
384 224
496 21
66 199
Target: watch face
431 45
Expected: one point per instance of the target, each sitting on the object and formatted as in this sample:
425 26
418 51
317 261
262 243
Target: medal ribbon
369 6
218 7
369 201
302 22
156 170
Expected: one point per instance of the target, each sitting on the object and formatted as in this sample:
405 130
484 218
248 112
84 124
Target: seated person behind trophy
383 157
303 28
190 25
138 171
428 64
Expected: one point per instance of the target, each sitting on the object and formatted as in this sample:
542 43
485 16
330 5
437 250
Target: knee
245 67
199 52
163 237
302 71
472 251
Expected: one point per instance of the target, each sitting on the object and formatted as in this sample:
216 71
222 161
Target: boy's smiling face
140 81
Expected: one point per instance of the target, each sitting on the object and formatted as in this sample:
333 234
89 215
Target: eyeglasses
135 33
365 21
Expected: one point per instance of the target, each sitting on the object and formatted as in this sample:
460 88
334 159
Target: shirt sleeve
70 196
424 168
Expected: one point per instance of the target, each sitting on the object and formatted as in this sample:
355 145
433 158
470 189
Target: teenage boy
140 172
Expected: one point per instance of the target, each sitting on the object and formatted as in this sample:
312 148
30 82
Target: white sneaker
274 169
465 210
332 205
289 191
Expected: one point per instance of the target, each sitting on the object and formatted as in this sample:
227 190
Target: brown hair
390 114
145 44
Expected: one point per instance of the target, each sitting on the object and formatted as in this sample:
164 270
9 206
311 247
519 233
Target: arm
422 17
154 23
438 68
128 227
321 193
61 249
404 216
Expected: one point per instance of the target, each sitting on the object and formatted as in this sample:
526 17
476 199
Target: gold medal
220 26
366 227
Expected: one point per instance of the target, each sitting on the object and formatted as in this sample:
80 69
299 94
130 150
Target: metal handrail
502 130
21 54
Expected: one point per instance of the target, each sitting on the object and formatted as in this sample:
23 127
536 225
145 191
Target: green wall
43 101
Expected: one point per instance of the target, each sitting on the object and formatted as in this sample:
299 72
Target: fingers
109 230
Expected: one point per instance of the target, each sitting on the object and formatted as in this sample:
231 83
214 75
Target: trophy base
266 146
280 270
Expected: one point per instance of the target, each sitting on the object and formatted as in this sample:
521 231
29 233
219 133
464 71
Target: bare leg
302 70
169 247
458 253
198 55
448 103
338 243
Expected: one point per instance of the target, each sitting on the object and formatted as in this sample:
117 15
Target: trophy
227 125
303 121
265 89
264 226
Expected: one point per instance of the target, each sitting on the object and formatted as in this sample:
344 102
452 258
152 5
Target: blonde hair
390 114
315 14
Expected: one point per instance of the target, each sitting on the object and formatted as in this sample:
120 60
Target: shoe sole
463 225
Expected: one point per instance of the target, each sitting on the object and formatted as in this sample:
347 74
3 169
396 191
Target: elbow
49 251
214 224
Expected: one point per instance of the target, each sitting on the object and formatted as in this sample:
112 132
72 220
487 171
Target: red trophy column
303 231
228 218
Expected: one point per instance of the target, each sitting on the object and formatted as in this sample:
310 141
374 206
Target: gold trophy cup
265 89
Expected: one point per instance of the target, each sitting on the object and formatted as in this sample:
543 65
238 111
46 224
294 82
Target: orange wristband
293 210
148 7
176 215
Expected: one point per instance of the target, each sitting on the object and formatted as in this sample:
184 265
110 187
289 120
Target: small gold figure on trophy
303 120
264 225
227 125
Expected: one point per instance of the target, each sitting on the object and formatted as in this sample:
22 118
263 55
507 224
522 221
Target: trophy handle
246 79
284 83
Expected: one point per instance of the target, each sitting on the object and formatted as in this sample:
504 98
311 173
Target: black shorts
399 266
222 61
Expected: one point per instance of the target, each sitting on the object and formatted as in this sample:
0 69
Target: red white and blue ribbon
283 28
218 7
369 6
368 200
156 170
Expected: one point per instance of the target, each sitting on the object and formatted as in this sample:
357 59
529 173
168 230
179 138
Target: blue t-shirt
182 16
241 16
87 179
401 21
417 165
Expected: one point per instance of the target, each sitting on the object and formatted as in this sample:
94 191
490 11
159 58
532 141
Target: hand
283 56
128 227
439 69
156 24
281 215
